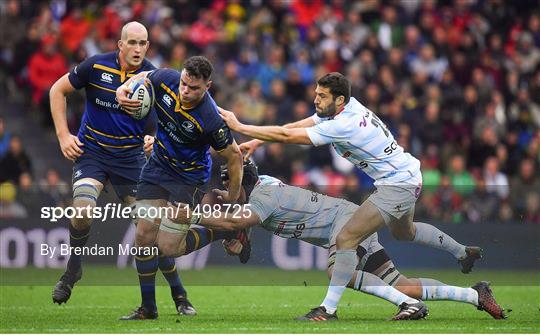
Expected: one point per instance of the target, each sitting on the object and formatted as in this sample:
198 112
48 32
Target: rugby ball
144 92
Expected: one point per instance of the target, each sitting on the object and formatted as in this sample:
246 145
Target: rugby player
178 169
293 212
357 134
108 147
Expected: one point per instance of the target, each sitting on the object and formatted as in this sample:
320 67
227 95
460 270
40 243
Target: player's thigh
172 235
365 221
89 176
403 228
147 212
124 179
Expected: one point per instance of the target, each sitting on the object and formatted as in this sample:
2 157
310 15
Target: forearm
265 133
234 165
220 222
58 110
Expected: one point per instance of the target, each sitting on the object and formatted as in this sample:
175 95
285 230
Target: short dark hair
199 67
337 83
250 175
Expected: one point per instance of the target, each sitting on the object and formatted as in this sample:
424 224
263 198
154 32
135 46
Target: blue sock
198 238
167 265
77 238
147 267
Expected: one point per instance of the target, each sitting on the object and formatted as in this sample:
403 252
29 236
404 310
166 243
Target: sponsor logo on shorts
77 174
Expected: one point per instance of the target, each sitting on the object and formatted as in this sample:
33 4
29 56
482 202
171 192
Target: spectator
73 30
427 63
45 67
482 205
525 182
462 181
496 181
9 208
56 188
15 162
532 208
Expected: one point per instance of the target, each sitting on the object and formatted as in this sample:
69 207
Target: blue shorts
122 173
157 183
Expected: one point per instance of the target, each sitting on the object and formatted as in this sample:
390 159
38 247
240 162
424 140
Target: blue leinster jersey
184 135
106 130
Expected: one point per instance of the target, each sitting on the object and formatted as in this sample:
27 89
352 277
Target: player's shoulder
147 66
109 59
208 111
165 75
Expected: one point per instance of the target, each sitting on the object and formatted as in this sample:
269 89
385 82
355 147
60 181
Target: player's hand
148 144
232 247
128 105
224 196
70 146
230 119
248 148
182 213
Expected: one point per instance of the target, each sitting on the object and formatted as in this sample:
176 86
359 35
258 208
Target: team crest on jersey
171 125
106 77
188 126
167 100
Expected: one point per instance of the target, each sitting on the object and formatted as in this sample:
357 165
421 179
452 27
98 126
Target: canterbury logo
106 77
167 100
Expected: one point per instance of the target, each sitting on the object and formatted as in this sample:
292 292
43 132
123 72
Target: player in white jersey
293 212
359 135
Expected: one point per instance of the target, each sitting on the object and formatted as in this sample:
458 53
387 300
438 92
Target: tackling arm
232 221
234 164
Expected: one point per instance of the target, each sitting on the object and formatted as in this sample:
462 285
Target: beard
327 112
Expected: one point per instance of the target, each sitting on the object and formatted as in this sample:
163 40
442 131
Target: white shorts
394 201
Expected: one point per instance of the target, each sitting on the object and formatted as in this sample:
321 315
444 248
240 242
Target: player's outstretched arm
233 156
229 218
249 147
69 144
266 133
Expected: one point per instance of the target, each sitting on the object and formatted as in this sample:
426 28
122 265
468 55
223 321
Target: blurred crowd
457 83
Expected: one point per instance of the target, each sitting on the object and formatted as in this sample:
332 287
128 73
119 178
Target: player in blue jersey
108 146
178 169
292 212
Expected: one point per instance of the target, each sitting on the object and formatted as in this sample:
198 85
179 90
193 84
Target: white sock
435 290
371 284
344 268
427 234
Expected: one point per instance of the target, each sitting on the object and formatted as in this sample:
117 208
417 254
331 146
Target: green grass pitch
251 300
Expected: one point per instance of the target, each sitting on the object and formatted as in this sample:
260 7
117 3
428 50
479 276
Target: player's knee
403 234
85 195
171 248
144 237
346 240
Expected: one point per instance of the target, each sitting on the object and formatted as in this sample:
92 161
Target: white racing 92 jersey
293 212
362 138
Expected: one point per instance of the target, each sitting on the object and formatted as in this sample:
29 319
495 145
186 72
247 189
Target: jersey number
379 124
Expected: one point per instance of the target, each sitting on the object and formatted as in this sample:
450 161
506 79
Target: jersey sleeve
317 119
331 131
262 201
80 74
219 134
